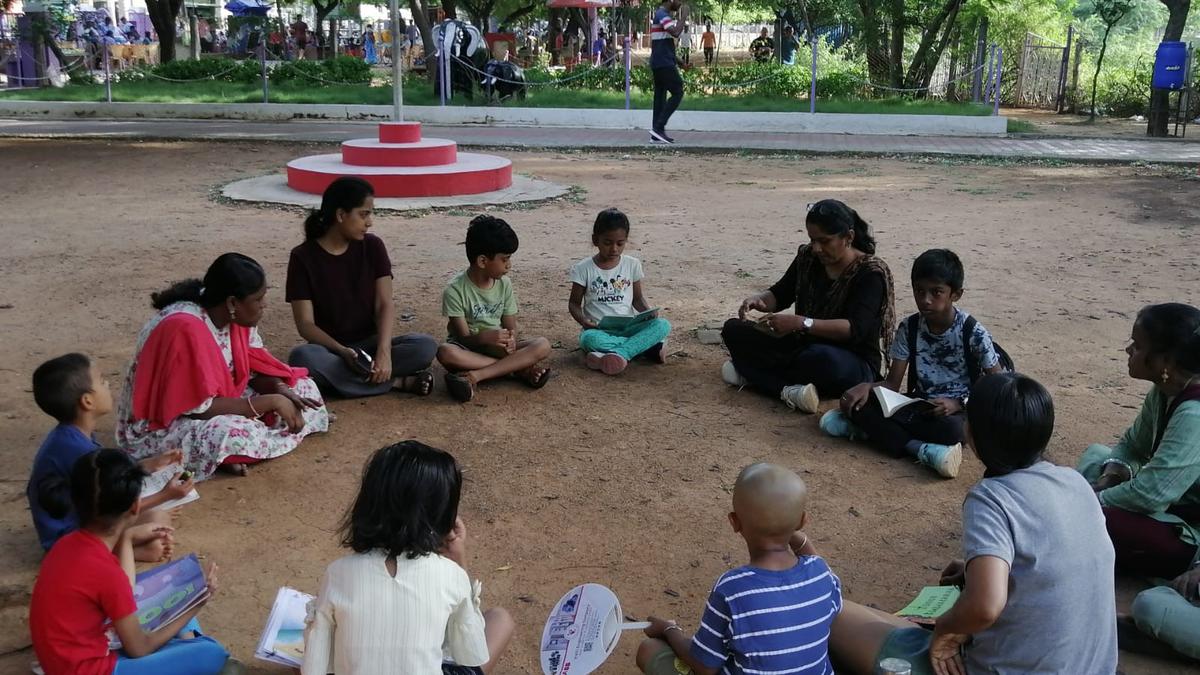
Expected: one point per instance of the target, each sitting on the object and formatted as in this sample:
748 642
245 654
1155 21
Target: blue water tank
1169 64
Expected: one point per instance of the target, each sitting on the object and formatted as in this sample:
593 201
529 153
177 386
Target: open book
620 324
891 401
164 592
282 640
158 480
930 603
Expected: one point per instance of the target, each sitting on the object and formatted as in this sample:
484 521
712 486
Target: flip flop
536 382
459 387
424 383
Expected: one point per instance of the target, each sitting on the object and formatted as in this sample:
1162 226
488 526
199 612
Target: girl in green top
1149 484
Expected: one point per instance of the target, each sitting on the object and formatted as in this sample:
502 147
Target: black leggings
892 434
770 363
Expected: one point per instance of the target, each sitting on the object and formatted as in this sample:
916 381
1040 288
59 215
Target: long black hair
407 503
231 274
1011 417
346 194
105 484
834 217
1173 330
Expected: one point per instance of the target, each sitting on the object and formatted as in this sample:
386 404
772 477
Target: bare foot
234 469
153 551
535 376
419 383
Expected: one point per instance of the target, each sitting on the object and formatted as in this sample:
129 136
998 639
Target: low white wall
591 118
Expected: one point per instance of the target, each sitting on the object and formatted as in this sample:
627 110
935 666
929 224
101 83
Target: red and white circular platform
402 164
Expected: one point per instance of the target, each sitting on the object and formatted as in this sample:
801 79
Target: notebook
155 482
282 640
620 324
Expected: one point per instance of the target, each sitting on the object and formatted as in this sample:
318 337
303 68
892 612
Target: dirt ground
1048 123
623 481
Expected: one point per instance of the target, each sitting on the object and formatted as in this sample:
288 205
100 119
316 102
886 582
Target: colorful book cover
166 591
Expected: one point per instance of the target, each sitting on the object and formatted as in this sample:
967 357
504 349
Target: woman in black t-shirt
339 283
845 315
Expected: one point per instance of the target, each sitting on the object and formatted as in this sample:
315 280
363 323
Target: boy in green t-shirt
482 317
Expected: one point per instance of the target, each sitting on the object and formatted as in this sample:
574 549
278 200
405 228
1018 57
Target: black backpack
974 368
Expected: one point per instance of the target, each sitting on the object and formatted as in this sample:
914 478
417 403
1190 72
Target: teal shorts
910 644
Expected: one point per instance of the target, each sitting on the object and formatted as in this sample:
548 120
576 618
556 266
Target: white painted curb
586 118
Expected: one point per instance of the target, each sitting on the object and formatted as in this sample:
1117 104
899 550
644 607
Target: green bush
347 69
222 69
341 70
1123 91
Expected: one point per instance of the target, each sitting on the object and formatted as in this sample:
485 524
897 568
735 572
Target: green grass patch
421 93
1020 127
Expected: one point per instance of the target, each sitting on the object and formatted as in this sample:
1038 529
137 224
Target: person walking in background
665 67
708 42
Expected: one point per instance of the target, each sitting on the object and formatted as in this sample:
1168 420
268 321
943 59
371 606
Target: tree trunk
952 82
421 18
323 10
1099 64
1176 20
878 70
162 17
929 51
896 61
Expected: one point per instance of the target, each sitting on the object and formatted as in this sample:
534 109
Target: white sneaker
731 376
802 397
944 459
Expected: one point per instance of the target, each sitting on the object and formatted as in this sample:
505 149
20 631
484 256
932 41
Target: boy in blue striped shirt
771 616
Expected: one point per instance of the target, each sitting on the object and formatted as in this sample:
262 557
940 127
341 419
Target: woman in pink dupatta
202 381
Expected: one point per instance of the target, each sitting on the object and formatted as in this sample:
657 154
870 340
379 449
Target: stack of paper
282 641
158 480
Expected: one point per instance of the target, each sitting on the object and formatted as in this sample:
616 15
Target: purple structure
22 68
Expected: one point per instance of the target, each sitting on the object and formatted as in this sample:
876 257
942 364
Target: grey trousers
410 353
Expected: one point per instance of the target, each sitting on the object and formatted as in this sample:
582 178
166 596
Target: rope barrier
213 76
317 78
915 89
497 78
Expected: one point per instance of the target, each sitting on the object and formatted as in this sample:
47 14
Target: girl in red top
87 581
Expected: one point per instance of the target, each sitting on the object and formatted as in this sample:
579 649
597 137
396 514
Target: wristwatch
808 324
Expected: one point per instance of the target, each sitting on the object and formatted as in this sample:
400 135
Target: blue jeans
628 345
200 655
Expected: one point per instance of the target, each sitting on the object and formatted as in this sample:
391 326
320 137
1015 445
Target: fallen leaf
504 568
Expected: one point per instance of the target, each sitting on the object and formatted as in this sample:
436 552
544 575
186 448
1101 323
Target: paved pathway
1076 149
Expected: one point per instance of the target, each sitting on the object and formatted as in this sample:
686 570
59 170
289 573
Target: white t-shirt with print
607 292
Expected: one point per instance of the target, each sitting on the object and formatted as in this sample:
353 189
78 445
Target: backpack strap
913 324
968 329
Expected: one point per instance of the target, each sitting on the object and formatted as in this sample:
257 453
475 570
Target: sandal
459 387
419 383
535 381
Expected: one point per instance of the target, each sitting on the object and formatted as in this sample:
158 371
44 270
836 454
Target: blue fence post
812 85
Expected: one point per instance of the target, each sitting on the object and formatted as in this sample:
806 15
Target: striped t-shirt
761 621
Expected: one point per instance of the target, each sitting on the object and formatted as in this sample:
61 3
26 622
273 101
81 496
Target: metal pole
812 87
107 74
262 60
996 87
397 66
628 59
441 66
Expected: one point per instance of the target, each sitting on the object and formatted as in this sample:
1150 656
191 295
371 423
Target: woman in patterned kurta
202 381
